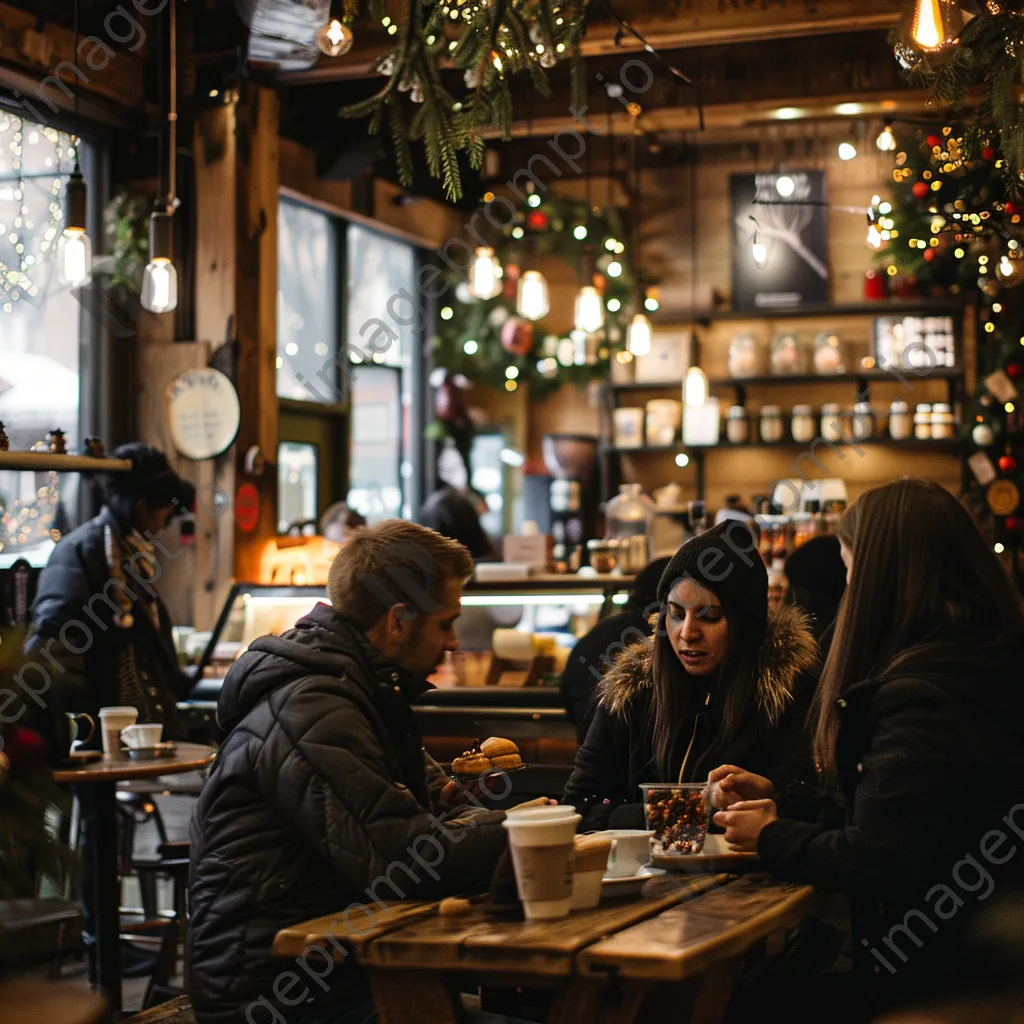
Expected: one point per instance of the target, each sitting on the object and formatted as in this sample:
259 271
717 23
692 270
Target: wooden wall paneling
215 190
256 309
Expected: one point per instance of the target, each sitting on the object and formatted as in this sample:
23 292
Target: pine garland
498 47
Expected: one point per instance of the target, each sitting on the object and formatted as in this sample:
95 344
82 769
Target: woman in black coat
920 732
722 679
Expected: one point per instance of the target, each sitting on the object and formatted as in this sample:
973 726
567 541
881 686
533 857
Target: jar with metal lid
862 422
831 421
786 356
803 426
923 421
901 425
942 421
743 356
737 425
771 424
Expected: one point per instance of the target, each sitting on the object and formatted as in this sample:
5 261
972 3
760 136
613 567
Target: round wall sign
203 413
1003 497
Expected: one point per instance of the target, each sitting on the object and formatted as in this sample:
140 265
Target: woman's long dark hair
923 580
675 690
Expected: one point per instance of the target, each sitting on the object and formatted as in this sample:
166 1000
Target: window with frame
40 336
345 384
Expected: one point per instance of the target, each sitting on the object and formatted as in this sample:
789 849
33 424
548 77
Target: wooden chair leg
403 996
598 1002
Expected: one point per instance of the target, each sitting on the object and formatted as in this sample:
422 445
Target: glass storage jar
901 425
742 356
802 426
737 425
771 424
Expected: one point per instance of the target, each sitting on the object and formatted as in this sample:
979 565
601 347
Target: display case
515 636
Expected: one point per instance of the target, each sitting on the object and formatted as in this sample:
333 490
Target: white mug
113 720
631 850
141 736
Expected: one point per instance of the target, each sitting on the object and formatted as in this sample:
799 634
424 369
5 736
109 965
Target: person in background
339 522
322 795
593 654
452 514
722 679
920 734
101 576
817 581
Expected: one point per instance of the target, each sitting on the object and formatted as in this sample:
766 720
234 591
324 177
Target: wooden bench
177 1011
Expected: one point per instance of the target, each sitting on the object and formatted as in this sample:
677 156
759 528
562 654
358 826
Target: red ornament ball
25 751
1007 464
1010 208
933 141
1014 524
1014 370
929 255
517 336
448 404
920 189
537 220
988 153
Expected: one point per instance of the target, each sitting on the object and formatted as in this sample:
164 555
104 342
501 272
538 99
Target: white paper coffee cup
112 721
542 858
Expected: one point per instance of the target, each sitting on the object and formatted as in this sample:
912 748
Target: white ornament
462 293
983 435
498 316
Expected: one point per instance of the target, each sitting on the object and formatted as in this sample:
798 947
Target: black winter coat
618 753
930 759
320 800
76 587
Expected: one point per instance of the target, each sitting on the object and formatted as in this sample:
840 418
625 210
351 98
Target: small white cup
113 720
142 736
542 848
631 850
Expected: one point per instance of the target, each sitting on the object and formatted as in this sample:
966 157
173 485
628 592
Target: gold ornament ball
335 39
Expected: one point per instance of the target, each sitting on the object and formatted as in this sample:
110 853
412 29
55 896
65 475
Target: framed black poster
780 240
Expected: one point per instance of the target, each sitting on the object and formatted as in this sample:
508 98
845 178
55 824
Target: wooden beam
698 23
47 54
258 165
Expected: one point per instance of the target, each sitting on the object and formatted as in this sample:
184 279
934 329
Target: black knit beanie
726 561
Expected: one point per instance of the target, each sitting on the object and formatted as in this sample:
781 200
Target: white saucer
630 885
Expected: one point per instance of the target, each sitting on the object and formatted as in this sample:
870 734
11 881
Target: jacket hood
321 644
787 650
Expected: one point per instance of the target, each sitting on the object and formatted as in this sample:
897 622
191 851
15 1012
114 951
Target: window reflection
296 488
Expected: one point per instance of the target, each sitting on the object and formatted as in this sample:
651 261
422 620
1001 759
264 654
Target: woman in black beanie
722 681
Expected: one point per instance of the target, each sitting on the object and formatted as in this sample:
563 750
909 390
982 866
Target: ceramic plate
619 888
716 856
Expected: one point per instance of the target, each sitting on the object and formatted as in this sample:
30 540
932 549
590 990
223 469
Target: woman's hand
743 823
457 794
728 785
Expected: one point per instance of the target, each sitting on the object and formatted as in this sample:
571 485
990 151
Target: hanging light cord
78 90
625 28
172 114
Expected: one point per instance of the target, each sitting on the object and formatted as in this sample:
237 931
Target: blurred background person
594 653
339 521
817 581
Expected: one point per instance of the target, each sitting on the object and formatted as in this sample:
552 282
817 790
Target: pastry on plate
504 754
472 762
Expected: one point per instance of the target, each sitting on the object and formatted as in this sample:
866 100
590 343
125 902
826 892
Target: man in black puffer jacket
322 798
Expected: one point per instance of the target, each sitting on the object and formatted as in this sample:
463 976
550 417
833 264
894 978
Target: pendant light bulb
588 314
485 274
335 39
927 29
160 279
1005 267
886 141
638 335
759 251
532 296
695 390
74 250
874 236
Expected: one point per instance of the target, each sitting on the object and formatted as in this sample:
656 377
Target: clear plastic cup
678 813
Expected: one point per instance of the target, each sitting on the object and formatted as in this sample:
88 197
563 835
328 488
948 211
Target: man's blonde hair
394 562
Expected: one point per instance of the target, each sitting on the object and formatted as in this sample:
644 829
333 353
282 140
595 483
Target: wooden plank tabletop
688 938
353 930
548 948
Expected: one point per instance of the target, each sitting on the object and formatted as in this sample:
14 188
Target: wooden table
672 950
34 1001
102 777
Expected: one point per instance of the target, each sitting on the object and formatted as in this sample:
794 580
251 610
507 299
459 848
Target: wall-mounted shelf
41 462
909 308
953 445
938 373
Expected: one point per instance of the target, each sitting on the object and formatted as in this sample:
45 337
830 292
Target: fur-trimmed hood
788 649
